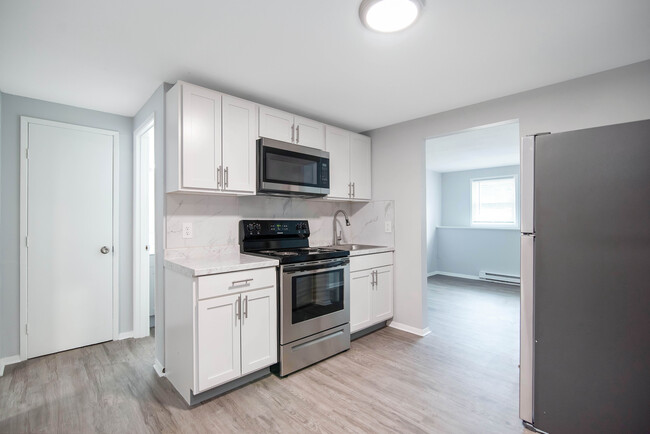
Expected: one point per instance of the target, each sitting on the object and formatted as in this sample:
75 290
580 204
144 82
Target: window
494 201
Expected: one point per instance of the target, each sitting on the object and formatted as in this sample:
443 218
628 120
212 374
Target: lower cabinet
231 331
371 290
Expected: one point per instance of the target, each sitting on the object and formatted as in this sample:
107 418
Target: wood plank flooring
460 378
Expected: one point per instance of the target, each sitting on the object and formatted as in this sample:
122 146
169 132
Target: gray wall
610 97
457 192
12 108
433 199
156 105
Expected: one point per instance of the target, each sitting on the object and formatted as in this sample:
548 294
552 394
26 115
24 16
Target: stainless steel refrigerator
585 280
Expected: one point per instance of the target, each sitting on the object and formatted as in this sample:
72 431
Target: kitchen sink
354 247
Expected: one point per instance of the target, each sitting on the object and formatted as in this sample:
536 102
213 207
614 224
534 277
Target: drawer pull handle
245 282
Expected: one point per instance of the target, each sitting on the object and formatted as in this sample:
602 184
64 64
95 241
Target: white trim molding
25 121
462 276
409 329
124 335
5 361
159 368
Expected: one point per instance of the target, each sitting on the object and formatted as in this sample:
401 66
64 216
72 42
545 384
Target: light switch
187 230
388 226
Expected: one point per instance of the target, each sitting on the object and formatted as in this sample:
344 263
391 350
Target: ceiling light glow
389 15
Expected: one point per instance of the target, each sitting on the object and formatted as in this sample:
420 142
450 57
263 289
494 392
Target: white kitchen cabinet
350 164
371 290
218 328
279 125
210 141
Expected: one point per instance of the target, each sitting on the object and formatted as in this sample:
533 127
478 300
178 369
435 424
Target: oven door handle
310 269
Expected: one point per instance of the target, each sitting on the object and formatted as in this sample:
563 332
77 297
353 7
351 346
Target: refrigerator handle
527 183
527 329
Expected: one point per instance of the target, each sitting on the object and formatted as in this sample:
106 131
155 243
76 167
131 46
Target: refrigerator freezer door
527 336
527 180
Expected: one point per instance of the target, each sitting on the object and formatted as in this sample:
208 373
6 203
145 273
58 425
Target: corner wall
610 97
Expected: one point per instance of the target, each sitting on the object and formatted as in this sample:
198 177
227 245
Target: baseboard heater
501 278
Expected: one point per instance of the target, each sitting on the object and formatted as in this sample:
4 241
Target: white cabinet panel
259 336
309 133
239 135
382 300
201 147
338 145
218 341
360 300
360 166
276 124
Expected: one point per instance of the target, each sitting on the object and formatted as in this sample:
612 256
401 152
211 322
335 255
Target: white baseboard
407 328
8 361
158 367
125 335
462 276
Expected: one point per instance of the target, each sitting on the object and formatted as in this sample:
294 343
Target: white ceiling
477 148
311 57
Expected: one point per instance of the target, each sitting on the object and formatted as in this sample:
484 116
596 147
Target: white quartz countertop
372 251
218 263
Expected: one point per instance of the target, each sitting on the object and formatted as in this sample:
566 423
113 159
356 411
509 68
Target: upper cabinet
350 163
279 125
210 140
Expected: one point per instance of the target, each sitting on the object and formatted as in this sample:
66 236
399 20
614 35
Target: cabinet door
360 166
309 133
337 143
360 300
201 147
218 341
276 124
382 297
259 332
239 135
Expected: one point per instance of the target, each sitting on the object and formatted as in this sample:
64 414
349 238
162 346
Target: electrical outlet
388 226
187 230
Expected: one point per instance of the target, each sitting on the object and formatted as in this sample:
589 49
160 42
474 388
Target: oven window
284 167
316 295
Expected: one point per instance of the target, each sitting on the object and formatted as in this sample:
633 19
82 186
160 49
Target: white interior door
69 221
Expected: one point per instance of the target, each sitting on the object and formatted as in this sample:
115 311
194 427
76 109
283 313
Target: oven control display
278 227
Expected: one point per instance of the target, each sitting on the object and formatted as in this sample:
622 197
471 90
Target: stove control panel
275 228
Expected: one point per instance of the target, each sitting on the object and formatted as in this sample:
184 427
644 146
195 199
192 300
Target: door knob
104 250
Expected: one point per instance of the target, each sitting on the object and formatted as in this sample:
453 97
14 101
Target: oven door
285 168
314 296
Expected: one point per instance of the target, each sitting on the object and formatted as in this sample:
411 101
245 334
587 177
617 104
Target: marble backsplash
215 220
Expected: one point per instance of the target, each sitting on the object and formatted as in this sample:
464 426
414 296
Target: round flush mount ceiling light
389 16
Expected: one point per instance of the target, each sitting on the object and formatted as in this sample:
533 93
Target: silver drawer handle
244 281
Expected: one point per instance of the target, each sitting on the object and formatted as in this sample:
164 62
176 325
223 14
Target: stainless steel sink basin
354 247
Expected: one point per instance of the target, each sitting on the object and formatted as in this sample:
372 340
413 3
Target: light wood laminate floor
460 378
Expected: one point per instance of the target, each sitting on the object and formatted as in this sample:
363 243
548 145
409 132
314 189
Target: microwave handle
292 133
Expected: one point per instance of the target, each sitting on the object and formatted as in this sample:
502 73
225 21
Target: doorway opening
472 219
144 230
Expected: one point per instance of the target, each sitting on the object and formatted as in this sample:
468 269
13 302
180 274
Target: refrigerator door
526 336
527 183
592 290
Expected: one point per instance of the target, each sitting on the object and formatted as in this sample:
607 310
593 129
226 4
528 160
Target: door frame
141 303
25 121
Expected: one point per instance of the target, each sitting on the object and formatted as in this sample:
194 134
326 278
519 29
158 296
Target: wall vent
498 277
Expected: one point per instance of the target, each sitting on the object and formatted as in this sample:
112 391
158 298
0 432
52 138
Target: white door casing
68 289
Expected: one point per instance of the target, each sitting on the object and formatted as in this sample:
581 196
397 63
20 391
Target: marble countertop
218 263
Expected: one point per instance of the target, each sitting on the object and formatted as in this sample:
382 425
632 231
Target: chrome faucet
337 238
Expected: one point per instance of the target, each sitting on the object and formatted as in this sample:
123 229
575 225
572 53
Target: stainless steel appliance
314 291
585 291
285 169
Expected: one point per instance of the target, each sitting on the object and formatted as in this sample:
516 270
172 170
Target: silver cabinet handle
292 133
354 190
238 308
225 174
219 177
246 307
298 134
350 189
244 281
105 250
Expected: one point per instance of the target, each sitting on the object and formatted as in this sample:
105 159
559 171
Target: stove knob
250 227
304 226
258 227
298 226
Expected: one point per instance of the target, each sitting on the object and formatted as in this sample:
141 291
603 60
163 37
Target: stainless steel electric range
314 291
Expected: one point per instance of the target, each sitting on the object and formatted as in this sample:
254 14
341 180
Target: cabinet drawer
365 262
231 283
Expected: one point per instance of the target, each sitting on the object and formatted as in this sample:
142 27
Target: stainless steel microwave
285 169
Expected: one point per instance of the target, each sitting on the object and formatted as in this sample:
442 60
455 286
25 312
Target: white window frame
514 225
